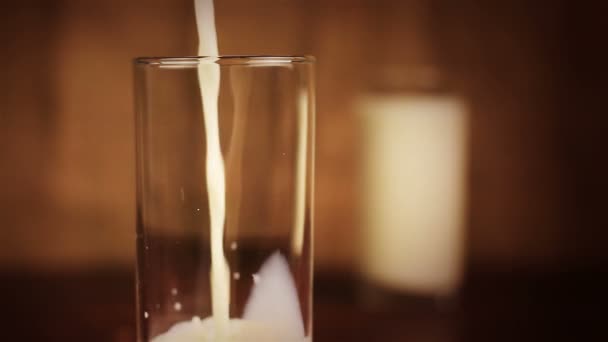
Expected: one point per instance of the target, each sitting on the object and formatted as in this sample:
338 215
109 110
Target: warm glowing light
414 150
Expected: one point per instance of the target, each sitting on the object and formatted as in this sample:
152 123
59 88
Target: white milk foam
272 313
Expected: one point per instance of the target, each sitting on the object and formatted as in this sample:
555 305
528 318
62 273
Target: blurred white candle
414 157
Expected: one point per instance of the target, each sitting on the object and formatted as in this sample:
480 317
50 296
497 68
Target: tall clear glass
264 126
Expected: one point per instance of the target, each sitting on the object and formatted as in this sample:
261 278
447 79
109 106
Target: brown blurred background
532 72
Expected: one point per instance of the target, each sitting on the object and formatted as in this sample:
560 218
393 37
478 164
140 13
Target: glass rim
189 61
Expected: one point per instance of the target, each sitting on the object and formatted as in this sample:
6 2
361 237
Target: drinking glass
265 130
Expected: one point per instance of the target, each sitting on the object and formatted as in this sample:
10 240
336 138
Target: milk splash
272 313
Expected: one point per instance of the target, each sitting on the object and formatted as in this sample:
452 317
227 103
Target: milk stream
209 82
272 313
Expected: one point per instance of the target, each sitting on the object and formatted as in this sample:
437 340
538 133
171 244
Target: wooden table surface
98 306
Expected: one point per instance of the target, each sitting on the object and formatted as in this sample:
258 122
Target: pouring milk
272 312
